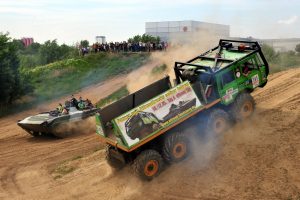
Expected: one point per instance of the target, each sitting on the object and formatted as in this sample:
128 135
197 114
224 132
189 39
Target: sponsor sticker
229 94
255 81
157 113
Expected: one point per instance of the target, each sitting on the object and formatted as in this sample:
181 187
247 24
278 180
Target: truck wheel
217 121
175 147
243 107
148 164
111 157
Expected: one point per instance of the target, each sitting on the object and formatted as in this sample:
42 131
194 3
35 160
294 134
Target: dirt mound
257 159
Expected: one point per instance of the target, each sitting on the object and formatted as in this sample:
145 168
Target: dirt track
257 159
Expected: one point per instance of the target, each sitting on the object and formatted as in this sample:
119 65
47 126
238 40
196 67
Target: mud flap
116 155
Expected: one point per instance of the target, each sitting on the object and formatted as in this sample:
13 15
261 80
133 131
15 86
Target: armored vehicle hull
54 123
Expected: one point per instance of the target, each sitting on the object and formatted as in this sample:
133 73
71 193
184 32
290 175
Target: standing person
246 70
129 46
65 111
89 104
140 46
81 104
60 108
74 101
166 46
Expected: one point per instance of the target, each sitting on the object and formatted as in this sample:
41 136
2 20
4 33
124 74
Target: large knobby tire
217 122
243 107
148 164
111 160
176 147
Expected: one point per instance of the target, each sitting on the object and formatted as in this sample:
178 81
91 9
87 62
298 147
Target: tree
10 84
67 51
144 38
19 44
33 48
269 53
84 43
49 52
157 39
137 38
297 49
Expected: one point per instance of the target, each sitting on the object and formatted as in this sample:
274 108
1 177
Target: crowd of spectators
125 47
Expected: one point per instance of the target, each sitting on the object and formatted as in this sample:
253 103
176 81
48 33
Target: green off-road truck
147 128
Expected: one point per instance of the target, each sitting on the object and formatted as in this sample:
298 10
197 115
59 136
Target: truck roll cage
178 70
224 44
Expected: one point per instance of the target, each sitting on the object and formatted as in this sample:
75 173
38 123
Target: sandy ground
257 159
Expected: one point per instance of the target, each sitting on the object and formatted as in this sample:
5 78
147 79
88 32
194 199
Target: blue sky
71 21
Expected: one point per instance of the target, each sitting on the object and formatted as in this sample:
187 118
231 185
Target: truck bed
131 101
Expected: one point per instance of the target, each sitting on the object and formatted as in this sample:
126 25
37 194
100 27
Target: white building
101 39
183 31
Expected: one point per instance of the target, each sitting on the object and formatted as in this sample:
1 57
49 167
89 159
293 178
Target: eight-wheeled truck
146 128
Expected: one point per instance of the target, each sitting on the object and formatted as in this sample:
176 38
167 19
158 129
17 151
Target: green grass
68 76
62 170
284 61
122 92
159 69
65 167
280 61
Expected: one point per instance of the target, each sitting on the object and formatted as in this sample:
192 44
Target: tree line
15 58
41 54
279 61
11 83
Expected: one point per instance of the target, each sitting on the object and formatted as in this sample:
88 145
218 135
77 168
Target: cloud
17 10
288 21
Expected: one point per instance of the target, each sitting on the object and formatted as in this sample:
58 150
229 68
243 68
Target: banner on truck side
157 113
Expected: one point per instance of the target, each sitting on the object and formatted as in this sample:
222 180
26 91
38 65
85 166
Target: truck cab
225 71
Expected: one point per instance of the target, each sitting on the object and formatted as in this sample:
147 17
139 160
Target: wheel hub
151 168
220 125
247 109
179 150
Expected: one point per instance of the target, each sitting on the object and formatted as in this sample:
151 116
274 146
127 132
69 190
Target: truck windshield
227 77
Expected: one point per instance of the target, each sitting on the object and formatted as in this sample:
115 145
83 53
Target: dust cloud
205 146
85 126
180 49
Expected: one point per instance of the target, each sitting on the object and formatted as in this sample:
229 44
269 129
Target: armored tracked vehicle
57 123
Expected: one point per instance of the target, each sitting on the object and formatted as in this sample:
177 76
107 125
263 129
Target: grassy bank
122 92
280 61
68 76
284 61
